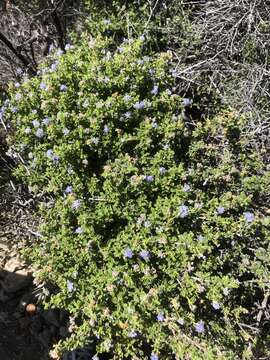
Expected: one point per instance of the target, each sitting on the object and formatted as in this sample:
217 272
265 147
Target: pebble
31 309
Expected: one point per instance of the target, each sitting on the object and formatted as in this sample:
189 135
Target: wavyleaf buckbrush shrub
158 237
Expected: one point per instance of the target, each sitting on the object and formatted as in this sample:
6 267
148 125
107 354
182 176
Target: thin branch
22 58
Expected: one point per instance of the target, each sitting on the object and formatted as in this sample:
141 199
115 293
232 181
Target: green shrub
157 236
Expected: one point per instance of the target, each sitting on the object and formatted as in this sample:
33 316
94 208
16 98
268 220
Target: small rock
30 309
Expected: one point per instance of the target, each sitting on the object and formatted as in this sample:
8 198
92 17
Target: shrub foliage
156 239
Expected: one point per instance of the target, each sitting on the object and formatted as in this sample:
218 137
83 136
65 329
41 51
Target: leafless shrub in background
29 29
230 58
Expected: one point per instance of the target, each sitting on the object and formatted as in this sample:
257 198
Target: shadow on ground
17 326
27 331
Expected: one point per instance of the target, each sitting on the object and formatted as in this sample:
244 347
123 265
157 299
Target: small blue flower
27 130
215 305
106 129
144 254
173 72
187 101
154 125
142 37
95 140
183 211
34 111
154 91
76 204
149 178
43 86
46 121
199 327
63 87
79 230
49 153
128 253
200 238
139 105
17 85
70 286
53 67
55 158
51 47
147 224
36 123
249 216
186 187
59 52
154 357
39 133
160 317
14 109
162 170
67 47
220 210
68 189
